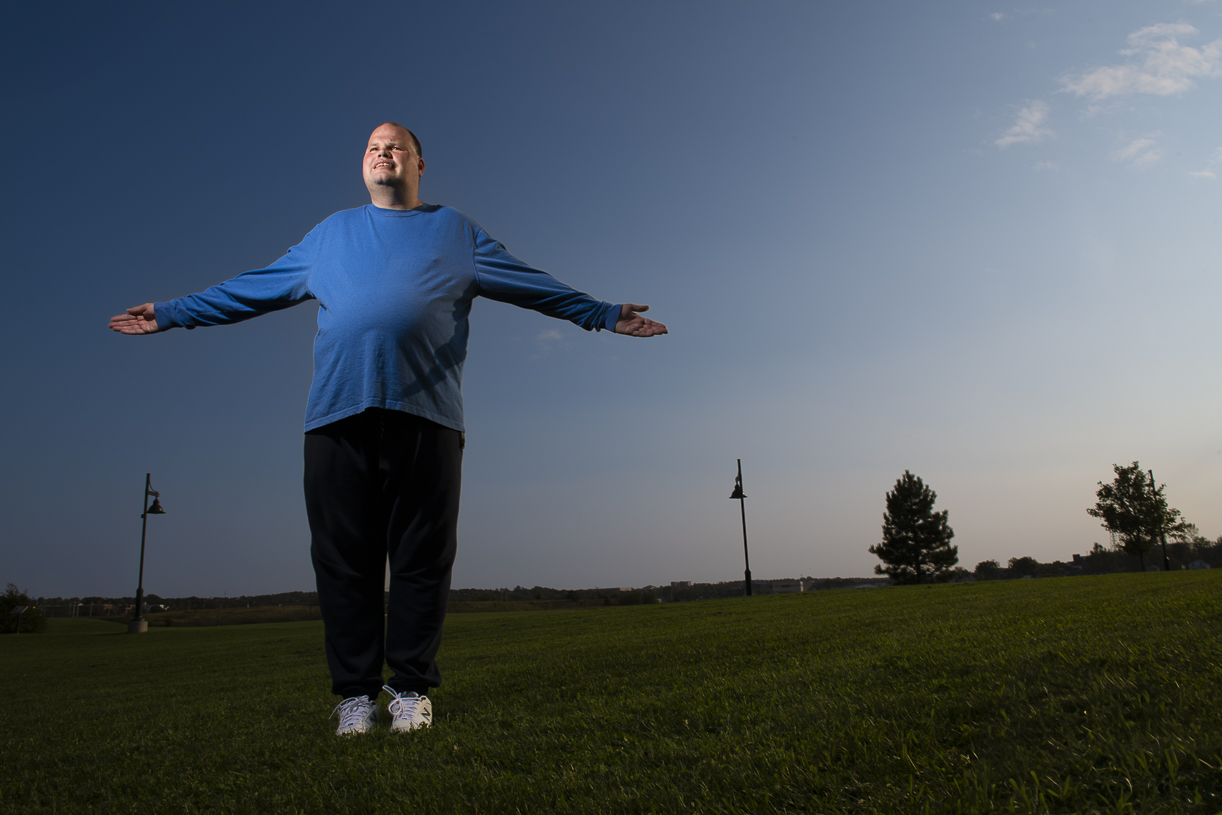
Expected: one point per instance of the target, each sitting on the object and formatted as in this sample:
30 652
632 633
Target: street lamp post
139 625
742 503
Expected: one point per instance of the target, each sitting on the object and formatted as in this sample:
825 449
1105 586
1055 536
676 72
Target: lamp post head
155 509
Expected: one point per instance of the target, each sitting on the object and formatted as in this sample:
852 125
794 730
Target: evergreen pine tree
916 540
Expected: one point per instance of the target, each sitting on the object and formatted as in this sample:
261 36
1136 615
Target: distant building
680 584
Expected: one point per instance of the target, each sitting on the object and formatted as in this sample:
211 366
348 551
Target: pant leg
422 539
377 483
348 548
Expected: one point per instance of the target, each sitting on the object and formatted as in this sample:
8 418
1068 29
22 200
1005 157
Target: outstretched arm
504 278
139 320
631 323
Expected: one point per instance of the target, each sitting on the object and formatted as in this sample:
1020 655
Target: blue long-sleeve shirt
394 289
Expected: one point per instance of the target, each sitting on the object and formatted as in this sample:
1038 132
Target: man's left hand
632 324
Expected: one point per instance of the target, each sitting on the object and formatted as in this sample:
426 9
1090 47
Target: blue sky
971 240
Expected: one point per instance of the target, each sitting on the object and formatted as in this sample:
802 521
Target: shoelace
352 711
402 704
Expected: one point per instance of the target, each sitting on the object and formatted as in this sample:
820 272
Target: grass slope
1068 695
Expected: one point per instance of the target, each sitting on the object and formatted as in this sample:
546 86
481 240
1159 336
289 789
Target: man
394 281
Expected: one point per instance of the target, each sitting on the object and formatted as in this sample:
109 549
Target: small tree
957 575
1134 511
916 540
32 620
988 570
1023 566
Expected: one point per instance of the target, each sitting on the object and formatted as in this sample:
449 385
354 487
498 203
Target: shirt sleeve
284 283
504 278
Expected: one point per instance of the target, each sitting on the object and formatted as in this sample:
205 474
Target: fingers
125 324
638 326
648 328
632 324
136 320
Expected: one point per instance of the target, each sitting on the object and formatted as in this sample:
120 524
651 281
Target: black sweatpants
383 483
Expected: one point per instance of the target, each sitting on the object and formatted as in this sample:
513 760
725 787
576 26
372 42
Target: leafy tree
32 621
1135 511
988 570
1187 533
1211 553
1023 566
916 540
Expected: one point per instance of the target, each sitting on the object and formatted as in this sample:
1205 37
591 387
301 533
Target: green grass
1064 695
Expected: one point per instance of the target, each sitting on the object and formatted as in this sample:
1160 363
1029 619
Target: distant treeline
122 606
673 593
1100 560
98 606
1103 560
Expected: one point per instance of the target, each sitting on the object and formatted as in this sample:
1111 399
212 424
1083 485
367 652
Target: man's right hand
137 320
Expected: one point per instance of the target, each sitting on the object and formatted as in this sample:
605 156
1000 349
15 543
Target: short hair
415 141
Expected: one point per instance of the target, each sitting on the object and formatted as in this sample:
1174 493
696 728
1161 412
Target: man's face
391 160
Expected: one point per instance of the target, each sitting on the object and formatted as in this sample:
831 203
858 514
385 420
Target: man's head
392 167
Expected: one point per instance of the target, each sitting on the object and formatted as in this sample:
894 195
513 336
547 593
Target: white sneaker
409 710
356 715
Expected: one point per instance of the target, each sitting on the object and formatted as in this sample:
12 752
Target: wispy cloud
1158 64
1004 16
1091 111
1029 127
1139 154
546 341
1208 173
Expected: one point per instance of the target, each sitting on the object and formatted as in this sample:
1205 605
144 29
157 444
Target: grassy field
1093 694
